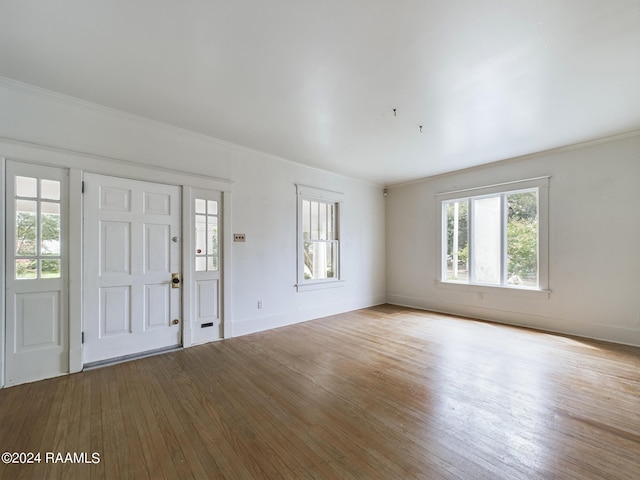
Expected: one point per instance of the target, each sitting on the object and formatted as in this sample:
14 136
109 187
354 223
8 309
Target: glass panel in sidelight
50 268
26 268
201 234
26 227
201 264
50 189
26 187
50 228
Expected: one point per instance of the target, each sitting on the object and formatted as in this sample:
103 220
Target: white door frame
78 163
3 253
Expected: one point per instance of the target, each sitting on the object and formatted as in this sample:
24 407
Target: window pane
522 239
26 268
319 260
331 260
212 263
457 241
306 219
486 240
201 234
26 228
212 207
30 206
201 264
331 222
200 206
50 268
26 187
50 228
315 214
50 189
322 221
212 235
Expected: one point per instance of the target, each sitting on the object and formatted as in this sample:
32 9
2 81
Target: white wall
594 243
263 206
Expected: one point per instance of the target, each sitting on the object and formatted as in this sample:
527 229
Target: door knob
175 321
175 280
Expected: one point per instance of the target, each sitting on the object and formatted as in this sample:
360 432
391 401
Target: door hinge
83 186
82 338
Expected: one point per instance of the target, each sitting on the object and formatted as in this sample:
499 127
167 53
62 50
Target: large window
495 236
318 237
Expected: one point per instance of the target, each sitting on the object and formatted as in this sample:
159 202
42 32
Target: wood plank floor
379 393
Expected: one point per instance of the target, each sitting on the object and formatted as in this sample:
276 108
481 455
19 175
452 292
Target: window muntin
494 238
318 237
207 242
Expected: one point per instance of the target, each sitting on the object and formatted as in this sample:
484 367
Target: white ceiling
317 82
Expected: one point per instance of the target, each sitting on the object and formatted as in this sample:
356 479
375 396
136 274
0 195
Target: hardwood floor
380 393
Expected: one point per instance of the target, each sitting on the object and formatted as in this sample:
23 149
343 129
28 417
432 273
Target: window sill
306 287
495 290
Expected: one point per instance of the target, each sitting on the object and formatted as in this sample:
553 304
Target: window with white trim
496 235
318 237
206 235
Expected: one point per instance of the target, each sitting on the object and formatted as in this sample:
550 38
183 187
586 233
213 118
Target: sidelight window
207 241
37 228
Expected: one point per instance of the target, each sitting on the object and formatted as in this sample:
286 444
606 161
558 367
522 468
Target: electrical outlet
259 304
239 237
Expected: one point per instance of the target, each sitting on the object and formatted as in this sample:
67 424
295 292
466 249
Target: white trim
57 157
226 273
503 187
186 240
319 285
495 289
3 252
74 265
319 193
306 192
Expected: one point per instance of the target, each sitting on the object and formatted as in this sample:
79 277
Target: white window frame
305 192
539 184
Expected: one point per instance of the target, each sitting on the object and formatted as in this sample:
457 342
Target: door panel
115 308
37 328
39 314
131 249
157 298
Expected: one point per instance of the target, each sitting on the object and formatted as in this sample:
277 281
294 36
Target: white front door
131 250
37 329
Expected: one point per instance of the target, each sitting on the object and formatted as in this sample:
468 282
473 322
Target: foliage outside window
494 238
318 236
